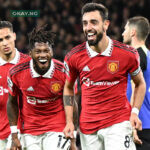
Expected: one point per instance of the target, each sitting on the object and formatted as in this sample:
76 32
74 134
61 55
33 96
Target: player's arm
143 65
12 110
139 93
12 113
68 100
139 90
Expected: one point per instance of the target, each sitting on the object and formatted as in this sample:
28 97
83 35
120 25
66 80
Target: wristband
135 110
75 134
13 129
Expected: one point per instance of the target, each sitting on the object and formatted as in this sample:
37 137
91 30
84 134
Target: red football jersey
4 68
41 107
103 80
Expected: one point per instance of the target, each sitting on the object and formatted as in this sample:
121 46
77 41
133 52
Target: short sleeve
70 69
12 87
134 64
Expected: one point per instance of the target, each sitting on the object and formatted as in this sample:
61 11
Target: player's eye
7 37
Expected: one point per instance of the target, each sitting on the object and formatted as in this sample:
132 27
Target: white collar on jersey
14 61
107 51
48 74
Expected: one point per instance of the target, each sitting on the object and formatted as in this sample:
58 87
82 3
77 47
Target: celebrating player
102 65
40 80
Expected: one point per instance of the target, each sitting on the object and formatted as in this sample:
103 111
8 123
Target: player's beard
96 41
39 70
8 55
127 41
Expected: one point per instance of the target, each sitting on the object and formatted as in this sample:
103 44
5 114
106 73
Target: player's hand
73 144
68 130
136 138
135 121
15 142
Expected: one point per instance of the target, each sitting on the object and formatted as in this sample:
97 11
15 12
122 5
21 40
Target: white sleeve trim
136 71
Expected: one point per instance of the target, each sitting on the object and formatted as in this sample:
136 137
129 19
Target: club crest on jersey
112 66
55 87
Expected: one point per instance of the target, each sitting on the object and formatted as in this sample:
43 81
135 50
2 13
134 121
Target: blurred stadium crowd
64 18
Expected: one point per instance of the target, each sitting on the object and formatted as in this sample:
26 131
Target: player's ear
133 32
30 53
106 25
14 35
52 52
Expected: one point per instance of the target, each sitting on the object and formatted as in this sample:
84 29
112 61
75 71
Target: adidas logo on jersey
30 88
86 68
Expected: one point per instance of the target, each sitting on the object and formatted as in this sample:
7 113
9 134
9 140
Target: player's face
127 34
94 27
7 41
41 55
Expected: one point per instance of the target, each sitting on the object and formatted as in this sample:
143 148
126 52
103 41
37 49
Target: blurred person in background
135 34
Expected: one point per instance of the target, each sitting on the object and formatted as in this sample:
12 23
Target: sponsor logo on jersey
55 87
86 68
35 101
30 88
112 66
88 82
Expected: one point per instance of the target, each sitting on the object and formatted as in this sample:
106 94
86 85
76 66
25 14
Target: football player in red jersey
40 80
102 65
9 56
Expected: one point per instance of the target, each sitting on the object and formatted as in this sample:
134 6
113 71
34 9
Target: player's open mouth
90 36
43 61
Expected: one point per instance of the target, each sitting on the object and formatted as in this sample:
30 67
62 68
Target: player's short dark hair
6 24
88 7
142 25
40 35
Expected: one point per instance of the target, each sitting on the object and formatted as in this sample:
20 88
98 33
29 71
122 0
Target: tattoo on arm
68 100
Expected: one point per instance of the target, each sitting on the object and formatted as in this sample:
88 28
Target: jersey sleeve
12 85
134 64
70 69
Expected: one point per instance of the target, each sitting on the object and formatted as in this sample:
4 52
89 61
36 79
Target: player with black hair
102 65
9 56
40 80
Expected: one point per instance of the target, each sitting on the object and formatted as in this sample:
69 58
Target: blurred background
64 18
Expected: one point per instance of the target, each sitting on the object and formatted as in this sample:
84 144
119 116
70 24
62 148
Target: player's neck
136 43
102 45
8 57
